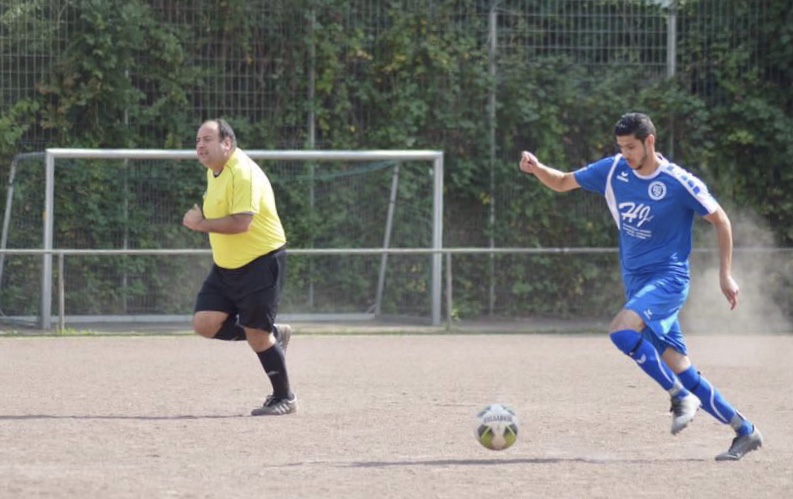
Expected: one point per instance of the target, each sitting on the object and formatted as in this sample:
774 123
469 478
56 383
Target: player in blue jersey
653 203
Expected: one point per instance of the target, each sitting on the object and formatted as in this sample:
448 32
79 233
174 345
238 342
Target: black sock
272 361
230 331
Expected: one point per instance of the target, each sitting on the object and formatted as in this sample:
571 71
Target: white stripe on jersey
692 184
611 201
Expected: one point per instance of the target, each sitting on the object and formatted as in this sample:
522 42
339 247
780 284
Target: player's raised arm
554 179
721 223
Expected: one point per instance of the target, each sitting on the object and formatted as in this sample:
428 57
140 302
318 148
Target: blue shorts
658 299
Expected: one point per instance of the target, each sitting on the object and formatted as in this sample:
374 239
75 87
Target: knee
260 340
204 326
626 340
626 319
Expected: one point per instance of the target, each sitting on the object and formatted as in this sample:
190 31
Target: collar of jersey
662 162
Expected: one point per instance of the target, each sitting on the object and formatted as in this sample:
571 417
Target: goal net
106 242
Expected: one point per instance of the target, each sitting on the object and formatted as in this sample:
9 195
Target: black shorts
251 291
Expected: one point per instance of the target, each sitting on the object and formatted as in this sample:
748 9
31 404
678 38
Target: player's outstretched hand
730 289
528 162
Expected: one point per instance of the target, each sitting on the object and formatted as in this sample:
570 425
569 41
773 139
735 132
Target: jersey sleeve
244 191
593 177
243 194
699 197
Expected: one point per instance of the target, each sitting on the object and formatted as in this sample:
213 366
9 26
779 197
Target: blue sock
713 402
645 355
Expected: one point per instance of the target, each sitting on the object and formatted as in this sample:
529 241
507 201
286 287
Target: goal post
434 250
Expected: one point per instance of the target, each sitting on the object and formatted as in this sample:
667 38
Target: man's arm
721 223
231 224
554 179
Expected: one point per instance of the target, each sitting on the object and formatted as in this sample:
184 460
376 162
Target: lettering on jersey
633 217
623 176
636 214
657 190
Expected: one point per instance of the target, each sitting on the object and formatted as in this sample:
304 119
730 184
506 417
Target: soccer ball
496 427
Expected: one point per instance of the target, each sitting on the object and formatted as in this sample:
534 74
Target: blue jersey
654 214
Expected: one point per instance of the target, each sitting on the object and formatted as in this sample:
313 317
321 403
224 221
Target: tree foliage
136 73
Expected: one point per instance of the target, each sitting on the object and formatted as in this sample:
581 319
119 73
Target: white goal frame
436 157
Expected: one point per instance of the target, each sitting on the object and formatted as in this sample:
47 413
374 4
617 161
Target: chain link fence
276 67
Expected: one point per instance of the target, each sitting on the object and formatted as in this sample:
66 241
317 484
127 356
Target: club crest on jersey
657 190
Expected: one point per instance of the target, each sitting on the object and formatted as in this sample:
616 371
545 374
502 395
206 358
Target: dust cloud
755 261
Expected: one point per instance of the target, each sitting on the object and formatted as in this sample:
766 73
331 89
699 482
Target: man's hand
552 178
730 289
528 162
193 218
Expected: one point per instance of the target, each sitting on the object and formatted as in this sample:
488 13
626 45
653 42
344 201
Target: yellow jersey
242 187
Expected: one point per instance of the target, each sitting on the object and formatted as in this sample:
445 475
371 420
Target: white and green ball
496 427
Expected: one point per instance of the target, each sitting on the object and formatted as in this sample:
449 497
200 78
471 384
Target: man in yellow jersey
239 298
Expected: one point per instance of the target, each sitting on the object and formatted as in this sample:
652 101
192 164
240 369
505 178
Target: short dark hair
637 124
225 131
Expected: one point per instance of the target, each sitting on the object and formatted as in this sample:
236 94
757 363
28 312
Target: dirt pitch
381 416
